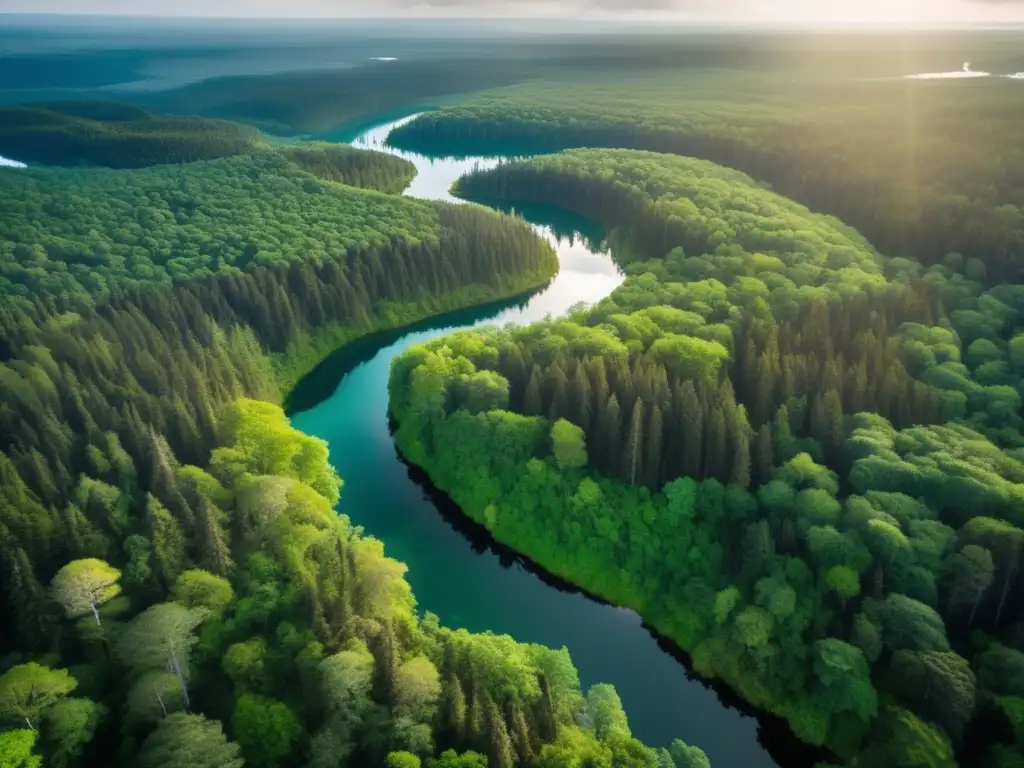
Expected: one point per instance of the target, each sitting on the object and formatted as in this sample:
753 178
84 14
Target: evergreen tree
763 454
533 403
385 668
634 467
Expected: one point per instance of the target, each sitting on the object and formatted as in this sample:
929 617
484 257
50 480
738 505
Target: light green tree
84 585
188 741
16 749
160 638
402 760
27 690
569 445
417 687
604 708
197 588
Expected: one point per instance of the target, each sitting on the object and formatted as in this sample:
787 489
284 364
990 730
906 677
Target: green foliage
139 229
16 749
309 642
685 756
354 167
197 588
843 581
769 472
82 586
402 760
903 740
188 741
70 726
28 690
939 685
835 151
843 680
687 447
266 730
451 759
115 135
569 445
604 709
908 624
417 688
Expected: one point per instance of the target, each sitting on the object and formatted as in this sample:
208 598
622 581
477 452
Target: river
455 569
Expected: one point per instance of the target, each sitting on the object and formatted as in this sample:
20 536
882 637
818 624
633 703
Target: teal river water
456 570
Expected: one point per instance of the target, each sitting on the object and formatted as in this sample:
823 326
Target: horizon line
674 20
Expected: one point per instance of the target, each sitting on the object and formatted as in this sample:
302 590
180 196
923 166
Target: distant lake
965 73
5 162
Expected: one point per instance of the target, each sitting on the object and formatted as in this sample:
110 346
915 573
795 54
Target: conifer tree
533 403
385 668
633 468
214 544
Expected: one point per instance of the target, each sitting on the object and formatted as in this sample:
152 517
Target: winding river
456 570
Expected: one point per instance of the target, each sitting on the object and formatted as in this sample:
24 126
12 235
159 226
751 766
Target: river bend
455 569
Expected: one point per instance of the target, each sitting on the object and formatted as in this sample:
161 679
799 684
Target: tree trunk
1010 575
974 610
160 700
176 668
29 724
95 612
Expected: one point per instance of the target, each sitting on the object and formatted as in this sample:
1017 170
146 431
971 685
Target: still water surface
455 568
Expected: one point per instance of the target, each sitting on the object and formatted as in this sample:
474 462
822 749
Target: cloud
744 11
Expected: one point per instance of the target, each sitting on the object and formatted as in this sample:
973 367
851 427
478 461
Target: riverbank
469 584
301 360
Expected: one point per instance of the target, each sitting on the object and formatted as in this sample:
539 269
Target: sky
831 12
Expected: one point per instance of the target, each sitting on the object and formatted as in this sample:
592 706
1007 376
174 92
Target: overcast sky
739 11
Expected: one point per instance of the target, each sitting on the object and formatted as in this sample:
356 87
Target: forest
73 237
791 440
250 624
798 458
179 590
115 135
920 169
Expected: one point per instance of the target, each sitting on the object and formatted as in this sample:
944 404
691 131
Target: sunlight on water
958 75
965 73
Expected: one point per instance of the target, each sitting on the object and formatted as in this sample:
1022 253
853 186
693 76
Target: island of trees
797 458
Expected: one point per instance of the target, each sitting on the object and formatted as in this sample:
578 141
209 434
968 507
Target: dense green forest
72 236
178 588
799 459
115 135
249 623
797 451
354 167
922 169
